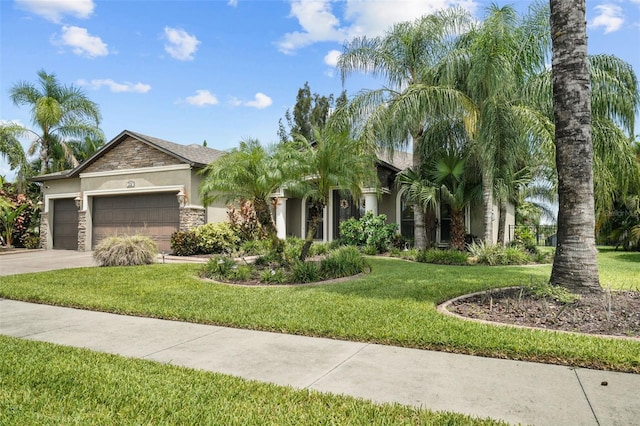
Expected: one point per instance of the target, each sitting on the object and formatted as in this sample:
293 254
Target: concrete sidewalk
518 392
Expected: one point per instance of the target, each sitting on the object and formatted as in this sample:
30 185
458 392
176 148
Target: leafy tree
309 111
335 160
406 57
85 148
575 265
59 112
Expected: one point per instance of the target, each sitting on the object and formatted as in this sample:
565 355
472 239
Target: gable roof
194 155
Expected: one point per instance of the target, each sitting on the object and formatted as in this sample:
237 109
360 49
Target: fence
545 235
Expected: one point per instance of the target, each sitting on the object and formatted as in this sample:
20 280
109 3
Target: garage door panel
153 215
65 224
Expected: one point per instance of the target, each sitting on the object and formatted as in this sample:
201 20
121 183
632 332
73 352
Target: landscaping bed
615 313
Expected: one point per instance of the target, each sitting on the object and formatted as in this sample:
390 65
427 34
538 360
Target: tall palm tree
491 64
11 150
575 265
85 148
59 112
406 56
334 161
251 172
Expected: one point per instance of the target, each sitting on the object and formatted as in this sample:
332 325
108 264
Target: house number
131 184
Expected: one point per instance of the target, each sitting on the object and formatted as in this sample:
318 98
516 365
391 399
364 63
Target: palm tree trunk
263 213
419 235
457 229
502 221
575 263
487 206
314 220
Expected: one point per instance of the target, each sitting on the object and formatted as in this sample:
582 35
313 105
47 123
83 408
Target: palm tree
251 172
491 65
11 150
85 148
575 265
396 115
59 112
333 161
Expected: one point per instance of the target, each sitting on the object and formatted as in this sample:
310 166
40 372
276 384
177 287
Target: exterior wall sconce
182 197
78 202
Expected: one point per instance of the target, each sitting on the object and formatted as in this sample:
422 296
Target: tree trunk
487 206
263 213
419 235
502 221
457 229
575 264
311 232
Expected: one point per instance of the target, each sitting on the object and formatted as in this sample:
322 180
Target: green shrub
273 276
557 293
30 241
184 243
442 257
369 230
343 262
293 248
125 251
525 238
255 247
216 238
318 249
370 250
219 267
497 255
304 272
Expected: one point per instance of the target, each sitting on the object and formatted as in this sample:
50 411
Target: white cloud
83 43
54 10
180 45
332 57
115 86
610 17
233 3
202 98
260 101
362 18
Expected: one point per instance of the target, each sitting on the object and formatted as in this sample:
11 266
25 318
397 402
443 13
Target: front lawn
394 304
46 384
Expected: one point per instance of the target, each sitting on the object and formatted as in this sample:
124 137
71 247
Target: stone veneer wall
82 230
131 154
44 229
191 216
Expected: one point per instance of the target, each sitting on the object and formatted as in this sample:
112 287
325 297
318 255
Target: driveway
43 260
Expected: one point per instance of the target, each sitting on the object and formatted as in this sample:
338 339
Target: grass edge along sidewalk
43 383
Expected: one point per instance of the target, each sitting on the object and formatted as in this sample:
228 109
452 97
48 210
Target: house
138 184
135 184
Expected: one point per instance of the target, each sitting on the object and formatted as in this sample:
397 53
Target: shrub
442 257
304 272
216 238
498 255
318 249
184 243
293 248
30 241
525 238
343 262
255 247
369 230
244 221
125 251
273 276
219 267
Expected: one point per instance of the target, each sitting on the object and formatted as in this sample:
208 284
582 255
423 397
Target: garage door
153 215
65 224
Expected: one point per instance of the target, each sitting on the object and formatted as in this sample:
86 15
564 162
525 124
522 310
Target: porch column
281 217
370 201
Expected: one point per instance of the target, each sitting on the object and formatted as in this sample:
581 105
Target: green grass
395 304
47 384
619 270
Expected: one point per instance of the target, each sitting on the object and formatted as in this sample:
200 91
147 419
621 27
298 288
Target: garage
65 224
154 215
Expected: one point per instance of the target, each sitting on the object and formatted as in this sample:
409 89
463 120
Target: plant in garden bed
497 255
126 251
343 262
442 257
370 231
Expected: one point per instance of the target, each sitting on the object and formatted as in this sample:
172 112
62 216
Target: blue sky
220 70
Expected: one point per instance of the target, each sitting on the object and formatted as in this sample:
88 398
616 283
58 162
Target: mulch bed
615 314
